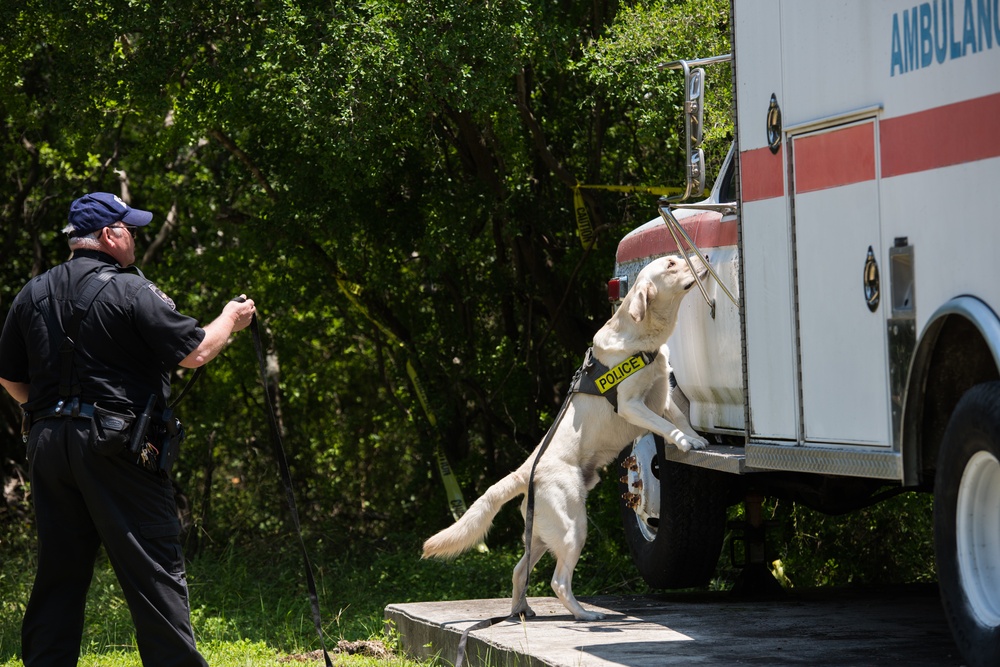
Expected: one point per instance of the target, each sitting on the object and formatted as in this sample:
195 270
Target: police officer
88 487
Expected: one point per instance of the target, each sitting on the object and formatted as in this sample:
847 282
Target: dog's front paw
680 440
698 443
685 442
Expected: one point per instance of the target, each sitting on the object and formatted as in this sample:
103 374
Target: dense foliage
390 181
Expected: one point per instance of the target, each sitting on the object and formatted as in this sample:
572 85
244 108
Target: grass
250 606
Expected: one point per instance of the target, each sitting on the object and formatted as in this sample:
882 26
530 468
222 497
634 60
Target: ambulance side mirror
694 115
694 106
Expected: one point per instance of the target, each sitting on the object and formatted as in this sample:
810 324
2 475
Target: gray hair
90 240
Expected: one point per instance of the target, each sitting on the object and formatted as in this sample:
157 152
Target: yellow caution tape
584 227
418 388
456 501
353 292
641 189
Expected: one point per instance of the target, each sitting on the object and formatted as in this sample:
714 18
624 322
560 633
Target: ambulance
846 346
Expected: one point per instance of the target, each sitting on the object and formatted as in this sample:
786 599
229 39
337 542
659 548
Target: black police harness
156 453
599 380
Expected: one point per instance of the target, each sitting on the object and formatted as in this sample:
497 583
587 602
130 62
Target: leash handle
286 477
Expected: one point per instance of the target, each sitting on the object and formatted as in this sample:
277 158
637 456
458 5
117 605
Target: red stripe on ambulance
707 230
833 159
941 137
761 173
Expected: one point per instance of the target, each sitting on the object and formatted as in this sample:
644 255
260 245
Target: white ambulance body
856 226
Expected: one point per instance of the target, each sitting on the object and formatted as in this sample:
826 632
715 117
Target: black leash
190 383
286 477
529 521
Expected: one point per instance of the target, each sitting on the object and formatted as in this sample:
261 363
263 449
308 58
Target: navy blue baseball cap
98 210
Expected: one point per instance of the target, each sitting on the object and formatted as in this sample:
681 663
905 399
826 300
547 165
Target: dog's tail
473 526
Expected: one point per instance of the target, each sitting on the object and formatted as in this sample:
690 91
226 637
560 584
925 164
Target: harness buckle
59 407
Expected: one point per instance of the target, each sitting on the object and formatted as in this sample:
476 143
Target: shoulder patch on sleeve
166 299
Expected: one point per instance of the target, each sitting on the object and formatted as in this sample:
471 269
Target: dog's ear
644 293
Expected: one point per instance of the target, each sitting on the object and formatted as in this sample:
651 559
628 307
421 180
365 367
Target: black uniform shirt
126 347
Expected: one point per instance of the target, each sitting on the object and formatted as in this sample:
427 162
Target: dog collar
596 379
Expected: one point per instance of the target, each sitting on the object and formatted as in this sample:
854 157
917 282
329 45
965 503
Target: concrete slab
847 628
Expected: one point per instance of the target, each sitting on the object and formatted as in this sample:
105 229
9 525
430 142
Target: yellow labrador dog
591 433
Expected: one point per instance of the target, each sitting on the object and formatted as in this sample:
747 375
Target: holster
157 442
170 441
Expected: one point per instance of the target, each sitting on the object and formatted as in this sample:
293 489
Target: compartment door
842 354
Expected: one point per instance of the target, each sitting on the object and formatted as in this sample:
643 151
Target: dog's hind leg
537 551
567 556
562 584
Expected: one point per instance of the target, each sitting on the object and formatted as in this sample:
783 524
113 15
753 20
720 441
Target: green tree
419 156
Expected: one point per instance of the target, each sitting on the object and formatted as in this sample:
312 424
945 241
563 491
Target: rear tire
967 524
677 544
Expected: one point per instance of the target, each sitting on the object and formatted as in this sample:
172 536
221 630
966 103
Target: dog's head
665 280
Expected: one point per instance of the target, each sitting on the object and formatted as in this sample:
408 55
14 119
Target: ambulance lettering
938 31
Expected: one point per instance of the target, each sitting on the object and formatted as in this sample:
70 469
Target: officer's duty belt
86 412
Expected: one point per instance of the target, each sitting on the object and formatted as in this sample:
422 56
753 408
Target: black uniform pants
83 500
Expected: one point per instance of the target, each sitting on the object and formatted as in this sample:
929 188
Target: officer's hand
240 310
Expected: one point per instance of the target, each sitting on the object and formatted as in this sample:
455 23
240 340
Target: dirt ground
368 648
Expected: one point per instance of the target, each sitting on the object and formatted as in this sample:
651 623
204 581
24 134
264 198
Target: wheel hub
977 534
642 477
